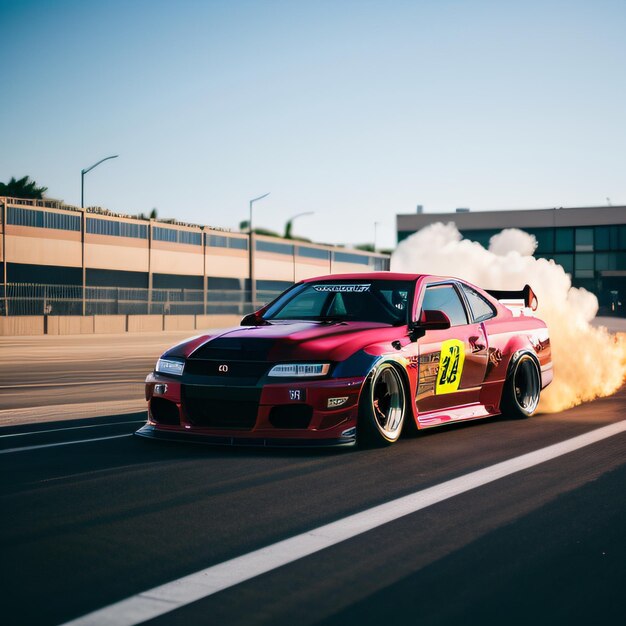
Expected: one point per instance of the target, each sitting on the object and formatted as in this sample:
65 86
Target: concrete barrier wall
103 324
217 321
22 325
179 322
144 323
69 325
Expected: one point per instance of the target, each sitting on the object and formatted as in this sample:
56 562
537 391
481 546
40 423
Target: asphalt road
52 377
88 524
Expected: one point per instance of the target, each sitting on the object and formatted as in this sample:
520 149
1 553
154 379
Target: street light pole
252 287
375 234
82 178
290 222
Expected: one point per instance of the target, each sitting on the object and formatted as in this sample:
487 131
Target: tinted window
584 239
583 266
221 241
445 298
564 240
603 237
275 247
347 257
42 219
313 253
481 309
545 239
566 261
383 301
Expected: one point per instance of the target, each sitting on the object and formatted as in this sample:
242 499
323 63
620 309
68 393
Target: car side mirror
253 319
429 320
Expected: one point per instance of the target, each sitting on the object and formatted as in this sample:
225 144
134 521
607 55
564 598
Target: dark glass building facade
588 242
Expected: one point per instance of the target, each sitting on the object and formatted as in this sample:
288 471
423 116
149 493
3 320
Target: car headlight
295 370
170 366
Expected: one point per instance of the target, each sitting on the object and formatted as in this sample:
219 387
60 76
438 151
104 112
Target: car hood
296 340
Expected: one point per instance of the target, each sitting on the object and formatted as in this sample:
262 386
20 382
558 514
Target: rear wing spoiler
526 297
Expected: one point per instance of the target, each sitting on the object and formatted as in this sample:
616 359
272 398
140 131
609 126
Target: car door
452 362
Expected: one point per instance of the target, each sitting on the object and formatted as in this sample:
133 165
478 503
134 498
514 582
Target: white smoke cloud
588 362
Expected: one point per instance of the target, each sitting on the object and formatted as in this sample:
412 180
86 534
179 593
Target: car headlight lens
170 366
296 370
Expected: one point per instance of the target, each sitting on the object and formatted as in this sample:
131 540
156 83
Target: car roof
378 276
365 276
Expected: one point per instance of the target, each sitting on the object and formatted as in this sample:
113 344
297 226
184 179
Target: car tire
522 388
382 408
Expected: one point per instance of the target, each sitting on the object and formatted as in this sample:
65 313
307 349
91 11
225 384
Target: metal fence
32 299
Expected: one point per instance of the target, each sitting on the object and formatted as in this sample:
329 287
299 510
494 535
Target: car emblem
222 368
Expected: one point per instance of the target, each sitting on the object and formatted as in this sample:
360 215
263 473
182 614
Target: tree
22 188
244 226
152 216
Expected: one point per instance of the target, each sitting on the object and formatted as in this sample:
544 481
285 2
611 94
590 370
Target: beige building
58 259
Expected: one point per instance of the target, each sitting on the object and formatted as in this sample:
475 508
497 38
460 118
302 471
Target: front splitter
150 432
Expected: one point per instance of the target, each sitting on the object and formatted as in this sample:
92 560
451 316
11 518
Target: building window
275 247
605 261
602 239
137 231
583 266
164 234
176 236
42 219
103 227
379 264
564 240
566 261
545 240
313 253
190 237
217 241
347 257
237 243
220 241
480 236
584 240
621 244
112 228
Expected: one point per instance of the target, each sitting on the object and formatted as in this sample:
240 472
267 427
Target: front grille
221 407
291 416
252 370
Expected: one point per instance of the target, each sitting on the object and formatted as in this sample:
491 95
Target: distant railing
32 299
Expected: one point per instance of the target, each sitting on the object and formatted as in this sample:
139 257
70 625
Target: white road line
56 430
61 443
178 593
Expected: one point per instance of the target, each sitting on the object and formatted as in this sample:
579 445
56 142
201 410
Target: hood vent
231 348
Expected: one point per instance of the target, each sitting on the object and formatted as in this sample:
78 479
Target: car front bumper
322 412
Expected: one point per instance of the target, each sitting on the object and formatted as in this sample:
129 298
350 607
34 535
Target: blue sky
355 110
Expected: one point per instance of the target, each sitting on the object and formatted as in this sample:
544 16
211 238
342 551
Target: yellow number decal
450 366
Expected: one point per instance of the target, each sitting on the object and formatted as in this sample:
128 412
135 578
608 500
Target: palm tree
22 188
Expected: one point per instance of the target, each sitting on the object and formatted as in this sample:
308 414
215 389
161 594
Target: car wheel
520 395
382 408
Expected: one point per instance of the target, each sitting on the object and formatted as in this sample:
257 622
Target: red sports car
351 358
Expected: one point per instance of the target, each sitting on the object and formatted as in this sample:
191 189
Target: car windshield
385 301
